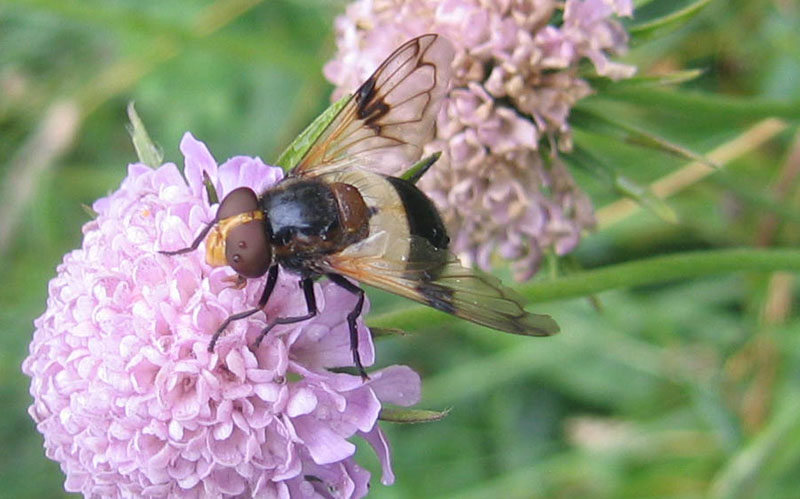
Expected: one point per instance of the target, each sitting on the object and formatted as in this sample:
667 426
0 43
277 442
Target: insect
334 216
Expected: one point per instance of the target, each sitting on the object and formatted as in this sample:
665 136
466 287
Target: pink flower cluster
516 78
128 398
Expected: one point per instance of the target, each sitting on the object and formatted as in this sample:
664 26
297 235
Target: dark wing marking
391 116
436 278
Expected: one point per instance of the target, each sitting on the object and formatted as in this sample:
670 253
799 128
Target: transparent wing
391 115
436 278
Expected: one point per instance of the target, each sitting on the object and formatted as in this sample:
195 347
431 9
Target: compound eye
239 200
247 249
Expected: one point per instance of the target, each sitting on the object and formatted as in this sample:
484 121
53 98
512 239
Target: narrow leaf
89 211
599 120
645 81
572 266
583 159
721 107
646 198
398 415
656 270
416 172
643 138
146 150
300 146
382 332
659 17
213 198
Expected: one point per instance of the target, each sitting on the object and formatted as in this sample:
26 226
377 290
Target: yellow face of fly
216 239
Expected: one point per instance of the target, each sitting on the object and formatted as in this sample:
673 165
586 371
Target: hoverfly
334 216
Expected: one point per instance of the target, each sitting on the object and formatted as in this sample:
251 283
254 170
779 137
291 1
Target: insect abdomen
423 217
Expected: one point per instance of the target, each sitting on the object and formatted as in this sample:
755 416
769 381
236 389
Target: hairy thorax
309 219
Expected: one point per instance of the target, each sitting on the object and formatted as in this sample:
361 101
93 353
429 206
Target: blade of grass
588 118
581 157
694 172
741 474
545 358
721 107
646 81
662 269
650 21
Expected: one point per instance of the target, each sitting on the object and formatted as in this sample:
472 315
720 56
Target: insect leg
351 319
311 302
195 243
272 278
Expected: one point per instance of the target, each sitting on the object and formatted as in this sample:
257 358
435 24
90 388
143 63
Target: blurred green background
683 388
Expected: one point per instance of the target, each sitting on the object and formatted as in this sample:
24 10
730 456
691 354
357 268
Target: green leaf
89 211
646 198
290 157
662 16
213 198
722 107
600 120
397 415
657 270
645 81
763 201
571 265
146 150
416 172
382 332
585 160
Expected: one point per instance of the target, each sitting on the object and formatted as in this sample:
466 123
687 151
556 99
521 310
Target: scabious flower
516 77
130 401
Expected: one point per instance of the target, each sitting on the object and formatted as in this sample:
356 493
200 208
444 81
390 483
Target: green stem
722 107
623 275
662 269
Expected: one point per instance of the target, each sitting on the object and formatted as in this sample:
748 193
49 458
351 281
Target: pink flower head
516 78
130 401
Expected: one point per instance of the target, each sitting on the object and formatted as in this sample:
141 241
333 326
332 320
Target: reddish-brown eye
247 249
237 201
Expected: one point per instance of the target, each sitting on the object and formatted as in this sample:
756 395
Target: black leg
311 302
272 278
195 243
351 319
